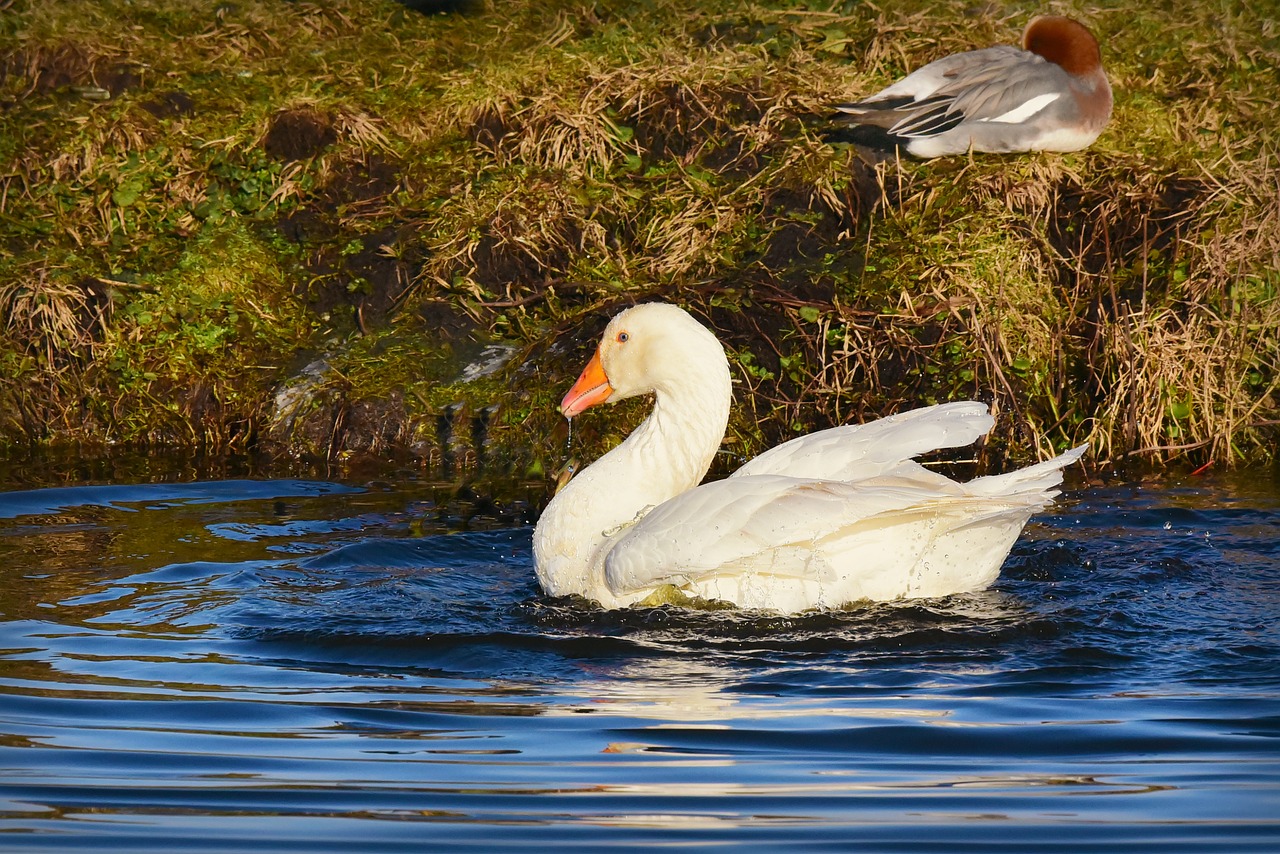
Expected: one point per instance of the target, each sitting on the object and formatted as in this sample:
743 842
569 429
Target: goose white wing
782 526
860 451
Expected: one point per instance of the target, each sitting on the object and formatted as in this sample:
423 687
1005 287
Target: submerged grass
341 228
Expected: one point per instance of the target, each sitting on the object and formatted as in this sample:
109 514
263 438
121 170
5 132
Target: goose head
656 349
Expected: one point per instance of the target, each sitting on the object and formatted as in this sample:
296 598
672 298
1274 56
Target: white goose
822 521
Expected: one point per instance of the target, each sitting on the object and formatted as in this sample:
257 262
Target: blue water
267 665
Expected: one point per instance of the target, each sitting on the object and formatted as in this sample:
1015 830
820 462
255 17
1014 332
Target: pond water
252 665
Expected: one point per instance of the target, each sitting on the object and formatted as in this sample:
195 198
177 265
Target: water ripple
257 665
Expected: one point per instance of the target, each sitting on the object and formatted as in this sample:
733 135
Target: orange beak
591 388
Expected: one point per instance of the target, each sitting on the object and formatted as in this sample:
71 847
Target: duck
821 522
1050 94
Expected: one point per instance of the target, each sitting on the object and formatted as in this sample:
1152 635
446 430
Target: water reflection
687 693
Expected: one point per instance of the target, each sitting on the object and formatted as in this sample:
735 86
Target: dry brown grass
56 321
1130 309
538 167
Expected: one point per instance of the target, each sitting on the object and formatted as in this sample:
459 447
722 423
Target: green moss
191 350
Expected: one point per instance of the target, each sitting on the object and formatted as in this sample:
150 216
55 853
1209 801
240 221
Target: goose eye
623 338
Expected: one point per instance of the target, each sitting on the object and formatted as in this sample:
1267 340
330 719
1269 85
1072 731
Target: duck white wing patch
1026 109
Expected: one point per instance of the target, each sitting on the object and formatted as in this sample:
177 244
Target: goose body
1050 94
821 521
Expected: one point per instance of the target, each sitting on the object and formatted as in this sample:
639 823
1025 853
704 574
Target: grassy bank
346 227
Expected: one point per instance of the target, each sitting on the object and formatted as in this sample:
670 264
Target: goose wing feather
782 525
860 451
